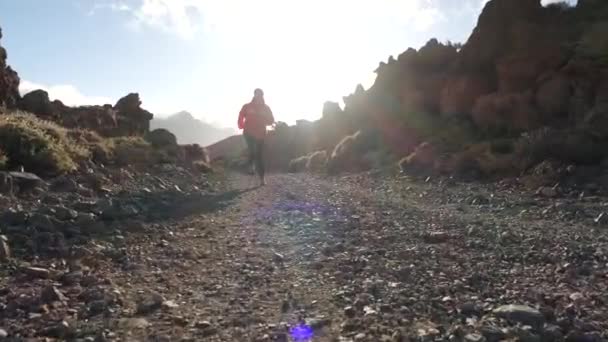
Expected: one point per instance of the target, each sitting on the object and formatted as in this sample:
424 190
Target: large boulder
132 119
161 137
9 81
38 102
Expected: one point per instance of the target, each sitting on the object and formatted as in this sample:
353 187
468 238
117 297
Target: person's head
258 95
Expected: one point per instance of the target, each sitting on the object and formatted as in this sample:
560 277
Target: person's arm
270 117
241 121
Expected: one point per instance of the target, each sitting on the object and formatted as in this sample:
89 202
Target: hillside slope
190 130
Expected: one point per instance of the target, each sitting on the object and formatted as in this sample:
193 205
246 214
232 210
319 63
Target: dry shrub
99 147
349 154
39 146
298 165
423 158
316 161
131 151
485 159
566 146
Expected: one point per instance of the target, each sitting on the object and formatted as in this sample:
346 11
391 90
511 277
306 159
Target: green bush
130 150
39 146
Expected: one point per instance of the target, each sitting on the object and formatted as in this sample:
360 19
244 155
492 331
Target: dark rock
436 237
52 294
552 333
19 182
72 278
61 331
65 214
470 309
161 138
37 272
64 184
97 307
13 217
521 314
9 82
150 303
38 102
493 334
42 222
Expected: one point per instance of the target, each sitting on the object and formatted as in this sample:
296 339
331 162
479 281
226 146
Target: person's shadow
198 204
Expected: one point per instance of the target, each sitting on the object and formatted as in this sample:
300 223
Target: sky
207 56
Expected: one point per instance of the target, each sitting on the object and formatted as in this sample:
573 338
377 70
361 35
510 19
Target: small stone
526 335
3 333
203 325
602 218
553 333
278 257
60 331
169 304
37 272
360 337
470 309
493 334
133 323
65 214
72 278
179 320
436 237
521 313
5 251
97 307
577 296
318 322
474 338
150 304
547 192
52 294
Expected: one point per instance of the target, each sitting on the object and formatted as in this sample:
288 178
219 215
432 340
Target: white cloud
66 93
113 6
188 17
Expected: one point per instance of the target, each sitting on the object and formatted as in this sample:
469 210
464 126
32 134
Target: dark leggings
256 153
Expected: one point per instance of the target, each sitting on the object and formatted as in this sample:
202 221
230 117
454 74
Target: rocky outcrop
525 66
132 119
126 118
9 81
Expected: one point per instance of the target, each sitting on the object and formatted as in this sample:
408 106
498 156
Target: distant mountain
190 130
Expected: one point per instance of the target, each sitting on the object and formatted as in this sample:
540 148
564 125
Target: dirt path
355 258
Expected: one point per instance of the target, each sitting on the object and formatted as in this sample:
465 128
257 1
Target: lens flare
301 333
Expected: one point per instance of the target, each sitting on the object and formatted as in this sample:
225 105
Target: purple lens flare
301 333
